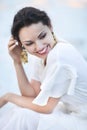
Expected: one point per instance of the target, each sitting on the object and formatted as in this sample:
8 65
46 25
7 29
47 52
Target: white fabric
57 75
63 76
19 119
61 121
36 67
64 66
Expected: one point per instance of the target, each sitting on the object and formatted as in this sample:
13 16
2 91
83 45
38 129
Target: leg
61 121
19 119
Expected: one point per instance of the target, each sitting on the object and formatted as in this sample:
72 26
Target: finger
12 38
11 43
12 47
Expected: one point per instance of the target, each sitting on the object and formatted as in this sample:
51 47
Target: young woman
56 96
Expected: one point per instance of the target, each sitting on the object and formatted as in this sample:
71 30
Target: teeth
43 51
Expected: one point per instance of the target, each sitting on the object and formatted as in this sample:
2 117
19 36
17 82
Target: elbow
44 110
48 111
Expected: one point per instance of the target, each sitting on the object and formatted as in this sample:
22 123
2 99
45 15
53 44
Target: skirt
19 119
61 119
24 119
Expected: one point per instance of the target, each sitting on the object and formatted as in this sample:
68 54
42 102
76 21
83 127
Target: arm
26 102
24 85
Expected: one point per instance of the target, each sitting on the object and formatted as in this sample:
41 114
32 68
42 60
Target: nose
38 45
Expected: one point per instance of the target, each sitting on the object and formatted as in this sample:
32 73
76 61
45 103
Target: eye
29 43
42 36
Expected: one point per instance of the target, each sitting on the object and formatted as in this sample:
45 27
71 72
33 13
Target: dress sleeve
59 80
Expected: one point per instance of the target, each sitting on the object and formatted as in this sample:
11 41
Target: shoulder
65 47
67 50
62 48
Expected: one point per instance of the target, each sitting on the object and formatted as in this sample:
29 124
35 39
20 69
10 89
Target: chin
42 56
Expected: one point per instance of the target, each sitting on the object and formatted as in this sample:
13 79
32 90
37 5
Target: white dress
63 76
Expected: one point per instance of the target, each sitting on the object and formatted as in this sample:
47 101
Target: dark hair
26 17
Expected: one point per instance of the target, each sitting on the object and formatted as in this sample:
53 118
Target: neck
45 59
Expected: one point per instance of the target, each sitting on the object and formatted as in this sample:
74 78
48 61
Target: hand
15 50
3 101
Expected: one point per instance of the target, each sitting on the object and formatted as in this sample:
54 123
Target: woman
57 93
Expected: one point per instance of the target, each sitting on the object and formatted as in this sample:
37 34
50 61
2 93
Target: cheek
30 49
49 39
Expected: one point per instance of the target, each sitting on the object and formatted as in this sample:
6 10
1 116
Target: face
37 39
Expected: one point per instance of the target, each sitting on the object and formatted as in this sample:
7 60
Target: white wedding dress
63 76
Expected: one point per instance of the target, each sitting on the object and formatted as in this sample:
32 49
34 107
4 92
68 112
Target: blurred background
69 19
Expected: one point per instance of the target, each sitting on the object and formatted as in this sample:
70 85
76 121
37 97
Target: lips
43 51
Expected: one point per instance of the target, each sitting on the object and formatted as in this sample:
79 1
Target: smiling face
37 39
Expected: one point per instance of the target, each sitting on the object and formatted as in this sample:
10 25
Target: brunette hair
27 16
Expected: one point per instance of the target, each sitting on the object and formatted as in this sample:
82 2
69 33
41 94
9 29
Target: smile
44 50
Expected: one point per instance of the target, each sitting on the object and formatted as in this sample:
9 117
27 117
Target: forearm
24 84
26 102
